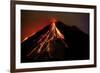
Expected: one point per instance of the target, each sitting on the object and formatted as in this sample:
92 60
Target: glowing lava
55 30
46 41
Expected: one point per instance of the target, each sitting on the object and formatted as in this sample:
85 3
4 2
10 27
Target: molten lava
55 30
47 41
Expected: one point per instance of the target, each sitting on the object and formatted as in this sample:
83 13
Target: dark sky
32 21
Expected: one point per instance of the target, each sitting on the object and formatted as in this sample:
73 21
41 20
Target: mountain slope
56 42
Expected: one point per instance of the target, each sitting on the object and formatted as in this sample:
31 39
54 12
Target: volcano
55 42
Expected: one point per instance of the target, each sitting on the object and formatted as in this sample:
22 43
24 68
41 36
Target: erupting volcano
47 41
53 43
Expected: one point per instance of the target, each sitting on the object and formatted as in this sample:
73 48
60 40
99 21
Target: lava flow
47 41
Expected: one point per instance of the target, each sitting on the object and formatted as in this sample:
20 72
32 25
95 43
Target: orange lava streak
55 29
45 42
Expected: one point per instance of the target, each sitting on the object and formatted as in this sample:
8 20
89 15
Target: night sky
33 21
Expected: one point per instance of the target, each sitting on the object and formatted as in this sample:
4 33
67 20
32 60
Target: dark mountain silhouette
56 42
